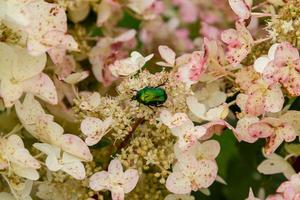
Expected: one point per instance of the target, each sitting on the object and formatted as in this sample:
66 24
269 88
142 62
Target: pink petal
260 130
285 51
124 37
255 103
206 173
242 127
228 36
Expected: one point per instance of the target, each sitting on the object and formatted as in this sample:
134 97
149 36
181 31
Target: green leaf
292 148
95 31
104 142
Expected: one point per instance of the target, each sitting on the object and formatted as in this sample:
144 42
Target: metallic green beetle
151 96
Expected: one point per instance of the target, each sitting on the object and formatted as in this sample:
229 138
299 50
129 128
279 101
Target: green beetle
151 96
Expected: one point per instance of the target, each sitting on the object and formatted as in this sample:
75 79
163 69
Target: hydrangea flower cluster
149 99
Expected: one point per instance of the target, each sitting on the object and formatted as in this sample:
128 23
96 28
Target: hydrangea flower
183 128
281 66
21 72
115 180
57 160
191 67
45 25
17 158
42 127
208 103
129 66
94 129
89 101
288 190
47 30
261 98
239 43
107 51
275 130
195 169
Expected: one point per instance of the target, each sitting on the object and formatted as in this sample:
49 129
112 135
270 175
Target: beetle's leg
161 106
151 108
162 84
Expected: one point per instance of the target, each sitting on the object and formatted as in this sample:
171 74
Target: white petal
275 164
73 145
47 149
131 178
76 77
24 158
274 99
272 51
216 113
241 7
6 196
100 181
128 35
91 126
177 183
117 195
28 173
195 107
52 163
43 87
167 54
75 169
209 149
206 173
242 129
27 65
261 63
10 92
29 110
115 168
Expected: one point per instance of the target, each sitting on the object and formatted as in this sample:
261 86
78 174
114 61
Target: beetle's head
133 97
